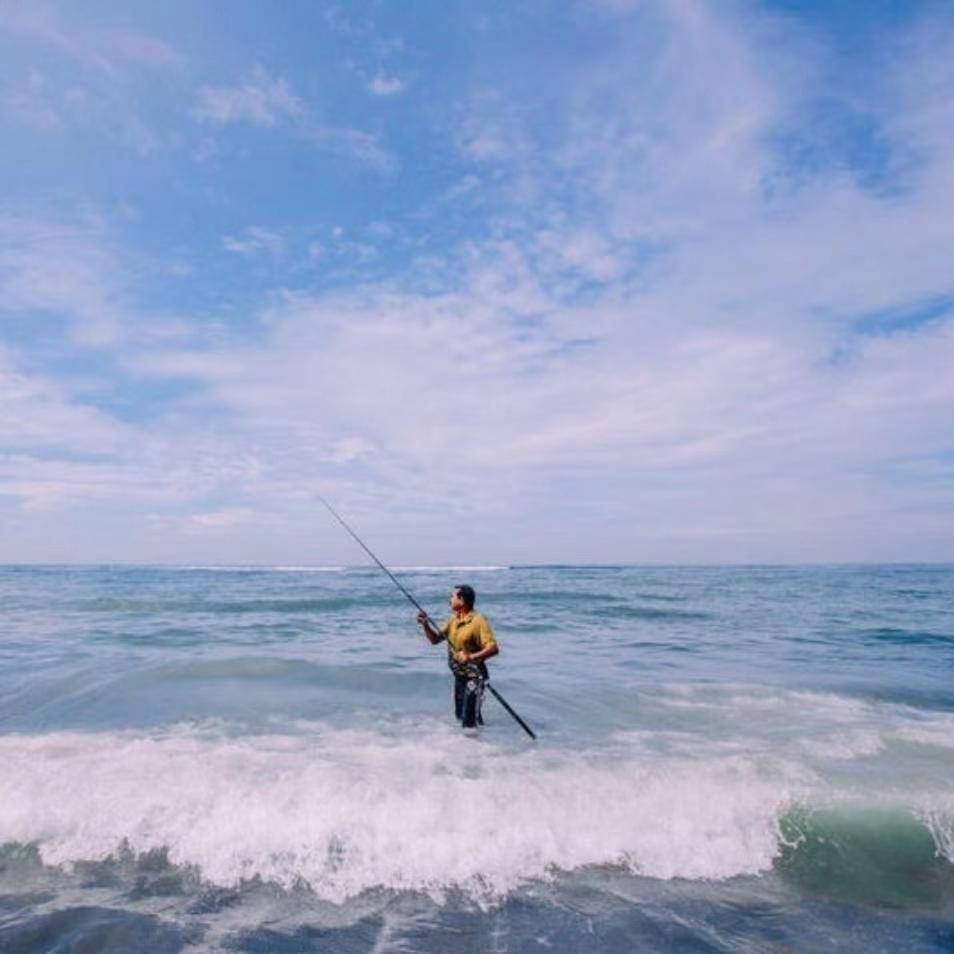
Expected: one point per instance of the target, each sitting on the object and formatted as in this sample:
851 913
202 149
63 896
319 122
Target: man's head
463 597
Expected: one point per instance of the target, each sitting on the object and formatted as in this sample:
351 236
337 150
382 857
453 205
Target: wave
347 810
870 853
562 596
446 569
212 568
602 604
342 811
659 615
369 680
236 606
216 568
907 637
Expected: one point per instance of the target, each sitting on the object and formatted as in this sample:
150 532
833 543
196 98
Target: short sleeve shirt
472 633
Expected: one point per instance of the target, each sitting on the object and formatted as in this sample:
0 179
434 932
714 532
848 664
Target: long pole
523 725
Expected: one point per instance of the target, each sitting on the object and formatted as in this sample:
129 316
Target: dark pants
468 695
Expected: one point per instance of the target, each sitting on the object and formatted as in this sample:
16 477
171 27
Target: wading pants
468 695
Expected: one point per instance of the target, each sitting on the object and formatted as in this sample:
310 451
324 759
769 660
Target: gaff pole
523 725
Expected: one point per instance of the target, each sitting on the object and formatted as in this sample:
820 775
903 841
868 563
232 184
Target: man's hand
434 636
462 656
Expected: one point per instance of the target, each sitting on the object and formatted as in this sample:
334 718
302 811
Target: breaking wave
419 808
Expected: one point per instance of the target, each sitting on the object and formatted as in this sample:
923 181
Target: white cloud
38 412
263 100
30 103
60 453
140 49
253 241
494 129
356 251
76 483
382 230
66 270
692 405
749 423
351 142
110 51
349 449
76 276
382 85
221 519
585 250
646 354
89 77
270 102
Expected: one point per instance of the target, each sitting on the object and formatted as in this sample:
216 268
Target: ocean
264 759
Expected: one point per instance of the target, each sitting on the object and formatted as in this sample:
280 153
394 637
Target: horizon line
332 567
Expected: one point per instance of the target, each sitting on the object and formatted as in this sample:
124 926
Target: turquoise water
263 759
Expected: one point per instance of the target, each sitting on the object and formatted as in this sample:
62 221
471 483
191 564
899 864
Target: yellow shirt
471 633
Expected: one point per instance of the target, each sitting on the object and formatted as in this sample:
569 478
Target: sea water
265 759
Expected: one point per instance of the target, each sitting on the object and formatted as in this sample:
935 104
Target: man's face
456 603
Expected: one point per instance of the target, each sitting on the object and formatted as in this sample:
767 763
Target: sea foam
343 811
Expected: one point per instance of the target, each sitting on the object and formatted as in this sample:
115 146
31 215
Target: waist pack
467 670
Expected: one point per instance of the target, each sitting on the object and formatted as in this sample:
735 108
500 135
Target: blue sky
598 280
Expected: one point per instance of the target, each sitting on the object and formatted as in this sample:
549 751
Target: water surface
262 759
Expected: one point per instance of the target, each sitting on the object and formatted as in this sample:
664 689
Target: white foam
940 823
219 568
852 744
741 698
828 705
449 569
934 729
346 811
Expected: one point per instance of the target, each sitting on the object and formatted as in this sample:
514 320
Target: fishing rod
523 725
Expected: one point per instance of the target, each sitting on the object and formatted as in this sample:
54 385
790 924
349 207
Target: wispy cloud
646 322
666 318
66 271
253 241
38 413
89 76
30 103
351 142
269 101
382 85
221 519
107 50
263 100
753 423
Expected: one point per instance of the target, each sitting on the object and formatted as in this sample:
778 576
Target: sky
598 281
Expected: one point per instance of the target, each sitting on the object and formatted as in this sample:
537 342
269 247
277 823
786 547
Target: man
470 642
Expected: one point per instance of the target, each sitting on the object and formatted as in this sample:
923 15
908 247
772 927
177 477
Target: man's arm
485 653
488 647
433 636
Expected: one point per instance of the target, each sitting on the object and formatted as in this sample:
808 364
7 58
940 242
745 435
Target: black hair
467 594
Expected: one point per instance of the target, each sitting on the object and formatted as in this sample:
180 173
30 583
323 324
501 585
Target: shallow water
262 759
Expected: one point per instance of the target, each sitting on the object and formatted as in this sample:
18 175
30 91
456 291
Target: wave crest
414 808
